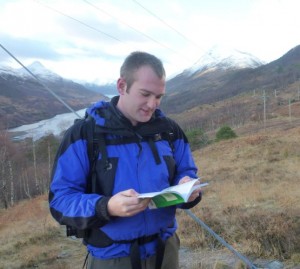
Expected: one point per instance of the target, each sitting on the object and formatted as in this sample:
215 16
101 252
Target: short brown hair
137 59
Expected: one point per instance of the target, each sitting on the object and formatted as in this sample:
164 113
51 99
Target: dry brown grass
30 238
253 202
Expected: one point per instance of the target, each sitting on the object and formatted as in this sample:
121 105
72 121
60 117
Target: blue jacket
138 165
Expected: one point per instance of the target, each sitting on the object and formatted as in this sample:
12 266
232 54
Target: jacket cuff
191 204
101 209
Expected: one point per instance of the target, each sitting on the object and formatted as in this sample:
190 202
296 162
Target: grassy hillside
253 202
30 238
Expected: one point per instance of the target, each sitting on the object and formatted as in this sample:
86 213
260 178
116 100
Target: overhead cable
40 82
123 22
81 22
171 27
164 22
104 33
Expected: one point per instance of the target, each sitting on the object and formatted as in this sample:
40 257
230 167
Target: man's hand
126 204
195 193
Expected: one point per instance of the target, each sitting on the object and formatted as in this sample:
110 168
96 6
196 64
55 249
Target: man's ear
122 86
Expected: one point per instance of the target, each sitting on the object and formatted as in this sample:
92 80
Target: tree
46 150
225 132
25 167
7 186
197 138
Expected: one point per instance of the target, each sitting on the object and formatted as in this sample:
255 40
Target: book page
181 189
172 198
172 195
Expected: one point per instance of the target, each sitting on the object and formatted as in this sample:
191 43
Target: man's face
140 101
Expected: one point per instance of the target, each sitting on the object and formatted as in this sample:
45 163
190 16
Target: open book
172 195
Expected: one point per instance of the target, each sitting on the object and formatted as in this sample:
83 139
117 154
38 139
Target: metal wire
221 240
201 223
40 82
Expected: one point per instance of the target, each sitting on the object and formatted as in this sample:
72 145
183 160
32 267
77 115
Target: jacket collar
113 107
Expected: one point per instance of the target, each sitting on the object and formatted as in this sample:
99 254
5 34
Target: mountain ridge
24 100
185 91
224 58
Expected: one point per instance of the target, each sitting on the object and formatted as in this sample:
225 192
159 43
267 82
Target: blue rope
221 240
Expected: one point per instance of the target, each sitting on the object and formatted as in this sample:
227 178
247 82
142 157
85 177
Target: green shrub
225 132
197 138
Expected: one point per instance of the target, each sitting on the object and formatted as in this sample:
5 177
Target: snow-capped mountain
38 69
225 58
23 100
109 89
8 70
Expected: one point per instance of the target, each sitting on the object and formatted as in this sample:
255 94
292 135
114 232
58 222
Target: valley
253 196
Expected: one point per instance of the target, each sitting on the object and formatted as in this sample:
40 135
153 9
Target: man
138 158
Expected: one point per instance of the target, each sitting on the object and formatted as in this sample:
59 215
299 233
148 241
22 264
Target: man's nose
153 102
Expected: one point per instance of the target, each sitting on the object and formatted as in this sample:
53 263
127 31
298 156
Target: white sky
88 40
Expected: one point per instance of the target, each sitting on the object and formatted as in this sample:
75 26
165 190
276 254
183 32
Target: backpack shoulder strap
95 145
